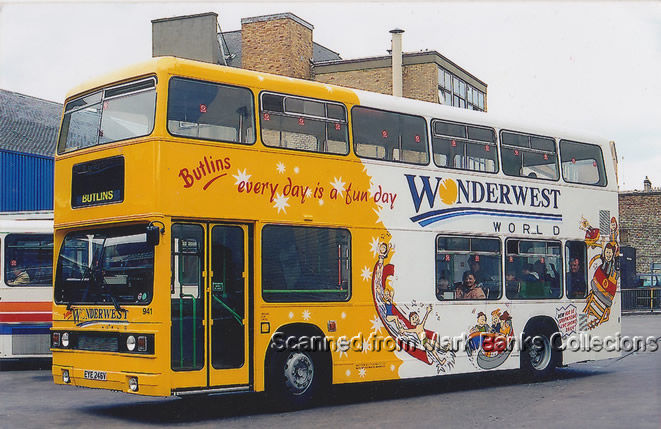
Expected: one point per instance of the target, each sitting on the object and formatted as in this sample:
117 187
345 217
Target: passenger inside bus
19 275
469 288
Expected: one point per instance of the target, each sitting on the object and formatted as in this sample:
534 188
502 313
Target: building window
453 91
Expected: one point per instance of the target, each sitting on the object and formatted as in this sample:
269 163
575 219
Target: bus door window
529 156
464 147
582 163
227 297
187 297
468 268
210 111
28 260
532 269
390 136
577 274
305 264
304 124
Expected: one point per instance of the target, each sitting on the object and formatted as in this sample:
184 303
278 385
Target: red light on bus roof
447 258
487 148
477 258
384 134
203 108
338 127
301 121
267 117
417 139
546 157
516 152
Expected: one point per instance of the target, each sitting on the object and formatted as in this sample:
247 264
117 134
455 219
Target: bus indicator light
142 343
203 108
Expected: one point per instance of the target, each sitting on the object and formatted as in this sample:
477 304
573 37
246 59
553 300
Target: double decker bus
253 232
26 277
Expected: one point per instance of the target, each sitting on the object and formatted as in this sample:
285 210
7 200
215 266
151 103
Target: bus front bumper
129 382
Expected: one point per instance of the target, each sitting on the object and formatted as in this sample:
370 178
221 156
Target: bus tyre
295 378
539 359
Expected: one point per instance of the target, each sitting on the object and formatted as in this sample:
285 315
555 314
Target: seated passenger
469 288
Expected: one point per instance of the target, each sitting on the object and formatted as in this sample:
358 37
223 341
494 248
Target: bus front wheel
295 378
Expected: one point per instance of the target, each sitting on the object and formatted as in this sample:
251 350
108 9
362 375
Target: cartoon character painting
604 281
409 331
488 347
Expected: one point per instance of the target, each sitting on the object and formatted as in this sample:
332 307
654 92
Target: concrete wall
194 37
640 226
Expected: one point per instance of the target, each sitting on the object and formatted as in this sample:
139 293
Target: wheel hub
299 373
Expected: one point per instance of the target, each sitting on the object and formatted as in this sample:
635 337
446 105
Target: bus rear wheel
539 359
295 378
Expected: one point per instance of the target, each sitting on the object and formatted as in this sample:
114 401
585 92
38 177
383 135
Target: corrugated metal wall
26 181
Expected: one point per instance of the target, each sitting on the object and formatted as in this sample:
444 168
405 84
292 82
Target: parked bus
253 232
26 277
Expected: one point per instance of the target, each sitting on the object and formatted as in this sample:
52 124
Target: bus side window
576 278
390 136
303 124
468 268
210 111
464 147
531 156
582 163
533 269
28 260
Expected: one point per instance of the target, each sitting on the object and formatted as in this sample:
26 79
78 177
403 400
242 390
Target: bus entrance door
228 305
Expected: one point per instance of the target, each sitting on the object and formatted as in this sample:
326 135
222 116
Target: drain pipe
396 61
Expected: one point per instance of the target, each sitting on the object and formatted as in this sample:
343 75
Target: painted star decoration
306 315
241 176
281 202
280 167
366 273
374 246
338 185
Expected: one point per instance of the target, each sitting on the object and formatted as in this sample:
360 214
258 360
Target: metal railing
641 299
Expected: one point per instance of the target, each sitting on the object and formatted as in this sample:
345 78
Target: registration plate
95 375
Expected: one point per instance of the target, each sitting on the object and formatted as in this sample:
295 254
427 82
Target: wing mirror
154 233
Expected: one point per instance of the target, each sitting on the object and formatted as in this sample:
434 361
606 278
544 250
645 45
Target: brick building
283 44
640 224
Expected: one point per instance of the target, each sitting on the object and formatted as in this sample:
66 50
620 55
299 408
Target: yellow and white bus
253 232
26 278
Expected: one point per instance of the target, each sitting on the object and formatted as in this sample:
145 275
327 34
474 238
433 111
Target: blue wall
26 181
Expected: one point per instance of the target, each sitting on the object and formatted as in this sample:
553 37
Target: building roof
232 46
28 124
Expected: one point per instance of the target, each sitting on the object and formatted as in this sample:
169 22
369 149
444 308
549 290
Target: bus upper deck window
531 156
210 111
305 124
390 136
582 163
464 147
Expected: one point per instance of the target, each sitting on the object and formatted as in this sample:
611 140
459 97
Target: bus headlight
130 343
133 384
65 339
65 376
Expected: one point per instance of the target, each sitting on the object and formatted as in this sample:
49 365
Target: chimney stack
396 61
194 37
647 184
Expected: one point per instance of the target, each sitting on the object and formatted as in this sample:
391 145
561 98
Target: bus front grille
98 343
